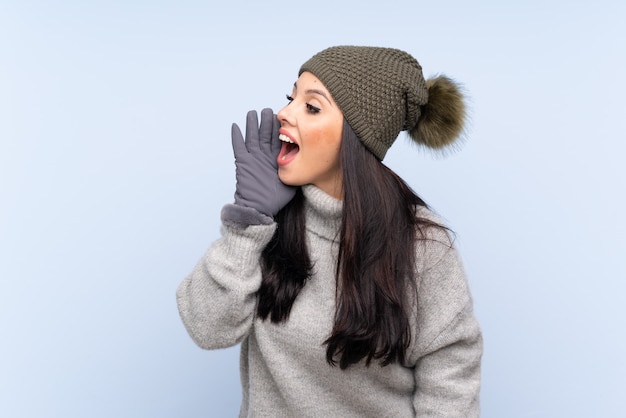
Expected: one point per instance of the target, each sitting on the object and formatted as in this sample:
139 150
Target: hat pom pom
442 119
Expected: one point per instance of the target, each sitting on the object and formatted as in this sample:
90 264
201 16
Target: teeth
285 138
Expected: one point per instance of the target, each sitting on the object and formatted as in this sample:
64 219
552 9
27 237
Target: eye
289 98
312 109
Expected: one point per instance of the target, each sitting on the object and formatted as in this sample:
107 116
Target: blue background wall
115 161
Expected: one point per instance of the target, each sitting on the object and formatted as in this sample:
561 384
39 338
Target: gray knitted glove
258 185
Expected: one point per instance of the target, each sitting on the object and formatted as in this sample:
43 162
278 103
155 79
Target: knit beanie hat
381 92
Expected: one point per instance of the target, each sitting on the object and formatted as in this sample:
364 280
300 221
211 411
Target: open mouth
288 151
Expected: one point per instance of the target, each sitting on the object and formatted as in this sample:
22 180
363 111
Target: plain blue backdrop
115 161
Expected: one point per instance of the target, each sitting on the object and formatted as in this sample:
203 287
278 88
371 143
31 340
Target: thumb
239 146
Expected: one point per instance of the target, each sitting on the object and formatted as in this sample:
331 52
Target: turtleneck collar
323 212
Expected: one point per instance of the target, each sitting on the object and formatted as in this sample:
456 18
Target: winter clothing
256 169
382 91
283 366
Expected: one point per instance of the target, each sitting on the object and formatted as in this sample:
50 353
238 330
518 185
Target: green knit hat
381 92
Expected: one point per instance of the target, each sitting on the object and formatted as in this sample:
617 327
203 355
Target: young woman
345 291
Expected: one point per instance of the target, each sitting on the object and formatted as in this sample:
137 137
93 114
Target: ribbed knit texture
284 371
379 90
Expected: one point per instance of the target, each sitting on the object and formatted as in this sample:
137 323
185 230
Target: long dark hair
376 261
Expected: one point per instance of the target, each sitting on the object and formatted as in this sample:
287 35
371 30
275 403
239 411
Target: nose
284 115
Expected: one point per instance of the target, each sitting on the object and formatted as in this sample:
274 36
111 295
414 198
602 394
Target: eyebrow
315 91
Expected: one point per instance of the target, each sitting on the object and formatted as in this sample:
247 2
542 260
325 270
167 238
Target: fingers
266 129
276 144
252 131
263 138
239 146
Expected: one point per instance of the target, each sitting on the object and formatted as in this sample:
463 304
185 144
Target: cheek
330 138
325 141
315 143
334 142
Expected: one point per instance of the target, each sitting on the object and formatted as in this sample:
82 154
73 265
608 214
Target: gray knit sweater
284 372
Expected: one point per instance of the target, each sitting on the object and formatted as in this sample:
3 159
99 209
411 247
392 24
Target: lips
288 151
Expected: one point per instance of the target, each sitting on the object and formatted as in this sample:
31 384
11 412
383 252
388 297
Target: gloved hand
258 185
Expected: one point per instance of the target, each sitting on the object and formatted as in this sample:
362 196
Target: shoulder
441 282
434 239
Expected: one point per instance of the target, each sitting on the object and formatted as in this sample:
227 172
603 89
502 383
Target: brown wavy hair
376 261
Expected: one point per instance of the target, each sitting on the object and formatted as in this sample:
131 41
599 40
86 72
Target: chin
287 180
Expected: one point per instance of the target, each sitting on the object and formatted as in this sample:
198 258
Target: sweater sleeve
217 300
449 349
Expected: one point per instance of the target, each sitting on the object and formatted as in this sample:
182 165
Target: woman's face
310 128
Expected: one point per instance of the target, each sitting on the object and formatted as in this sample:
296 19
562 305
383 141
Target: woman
346 293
